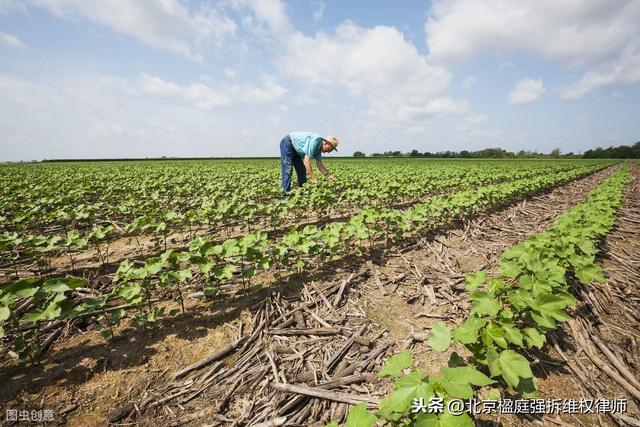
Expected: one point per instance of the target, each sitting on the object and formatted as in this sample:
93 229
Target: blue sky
150 78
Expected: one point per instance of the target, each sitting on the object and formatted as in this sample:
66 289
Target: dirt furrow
601 346
408 290
416 285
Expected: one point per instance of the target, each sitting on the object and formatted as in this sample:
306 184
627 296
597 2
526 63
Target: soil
609 315
84 378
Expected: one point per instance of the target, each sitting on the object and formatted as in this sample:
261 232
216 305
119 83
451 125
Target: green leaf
394 365
60 285
124 270
551 272
513 334
153 265
496 286
493 333
552 306
513 367
22 289
4 313
467 332
51 312
359 417
513 252
115 316
395 405
450 420
204 264
225 273
493 363
493 394
590 273
483 303
474 280
440 338
587 247
540 287
509 268
457 381
130 292
534 338
407 388
426 420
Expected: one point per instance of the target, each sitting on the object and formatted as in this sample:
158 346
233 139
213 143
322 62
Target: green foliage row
215 264
18 248
510 312
54 201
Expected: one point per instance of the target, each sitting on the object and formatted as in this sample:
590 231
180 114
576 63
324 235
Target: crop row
49 199
27 305
510 312
20 248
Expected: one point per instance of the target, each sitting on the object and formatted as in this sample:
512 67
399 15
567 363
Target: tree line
619 152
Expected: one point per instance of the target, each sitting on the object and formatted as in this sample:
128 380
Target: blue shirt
307 144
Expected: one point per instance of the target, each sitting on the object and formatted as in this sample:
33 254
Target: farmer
296 151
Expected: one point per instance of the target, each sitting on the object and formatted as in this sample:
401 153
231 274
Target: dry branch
305 331
352 399
215 356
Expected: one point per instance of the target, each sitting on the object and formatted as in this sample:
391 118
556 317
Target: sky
186 78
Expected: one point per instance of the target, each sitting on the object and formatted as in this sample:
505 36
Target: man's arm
323 170
310 172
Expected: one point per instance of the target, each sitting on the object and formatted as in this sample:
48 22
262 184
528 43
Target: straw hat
332 140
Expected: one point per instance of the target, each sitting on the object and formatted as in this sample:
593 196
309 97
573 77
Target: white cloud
377 65
395 110
318 13
526 91
471 123
99 116
572 32
163 24
269 13
7 6
200 95
268 92
209 97
600 37
505 65
476 119
624 70
469 81
11 40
